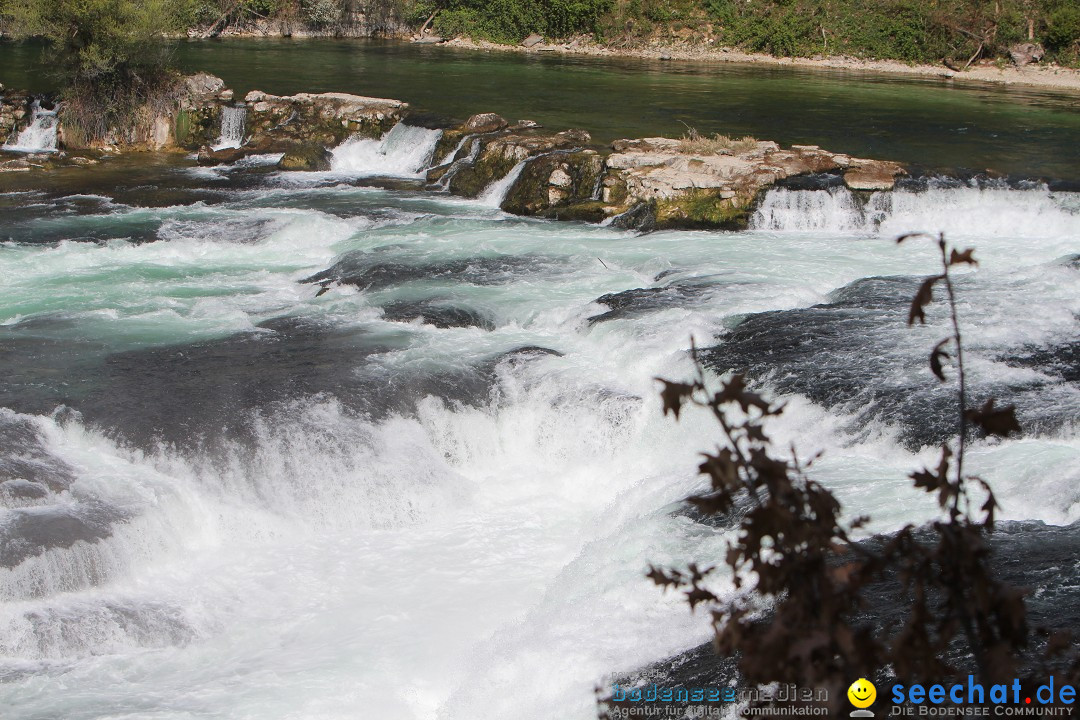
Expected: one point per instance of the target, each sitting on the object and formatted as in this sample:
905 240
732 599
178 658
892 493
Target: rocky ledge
641 184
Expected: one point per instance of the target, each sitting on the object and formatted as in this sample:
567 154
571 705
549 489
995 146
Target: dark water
930 122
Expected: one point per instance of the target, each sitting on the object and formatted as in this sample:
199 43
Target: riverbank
1042 76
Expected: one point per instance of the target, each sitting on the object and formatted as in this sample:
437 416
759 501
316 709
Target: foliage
112 55
510 21
1063 30
98 41
929 32
803 584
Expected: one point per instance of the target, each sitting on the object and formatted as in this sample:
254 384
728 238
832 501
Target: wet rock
227 156
555 181
437 313
310 157
326 118
639 301
640 217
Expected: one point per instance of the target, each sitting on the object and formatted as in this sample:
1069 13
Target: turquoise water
285 446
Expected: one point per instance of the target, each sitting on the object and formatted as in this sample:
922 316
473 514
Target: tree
112 55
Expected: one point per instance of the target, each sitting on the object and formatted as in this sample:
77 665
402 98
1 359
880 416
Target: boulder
310 157
1026 53
872 174
202 88
641 217
532 41
485 123
555 181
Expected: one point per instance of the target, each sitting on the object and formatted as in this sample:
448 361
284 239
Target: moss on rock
704 209
310 157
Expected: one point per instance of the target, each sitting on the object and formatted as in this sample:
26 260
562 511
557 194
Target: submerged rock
439 314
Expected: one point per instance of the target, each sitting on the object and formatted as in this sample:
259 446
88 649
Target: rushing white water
496 192
405 151
976 211
233 125
39 136
453 560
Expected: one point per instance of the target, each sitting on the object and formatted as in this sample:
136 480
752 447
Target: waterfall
474 152
233 123
967 210
834 209
449 158
496 192
405 151
39 136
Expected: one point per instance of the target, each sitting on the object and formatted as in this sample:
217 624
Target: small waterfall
449 158
496 192
834 209
39 136
988 211
233 124
474 152
405 151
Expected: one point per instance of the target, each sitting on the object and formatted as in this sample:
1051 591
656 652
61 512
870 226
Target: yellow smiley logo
862 693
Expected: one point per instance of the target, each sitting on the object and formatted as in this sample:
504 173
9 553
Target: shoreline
1039 76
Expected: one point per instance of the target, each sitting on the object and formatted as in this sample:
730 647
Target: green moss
531 194
703 209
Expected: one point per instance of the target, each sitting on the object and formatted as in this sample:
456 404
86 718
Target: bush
510 21
1063 29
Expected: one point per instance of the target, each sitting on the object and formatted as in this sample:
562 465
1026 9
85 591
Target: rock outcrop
718 187
14 113
325 118
484 158
642 184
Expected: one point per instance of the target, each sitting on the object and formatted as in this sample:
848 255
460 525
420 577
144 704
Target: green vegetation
512 20
956 31
111 56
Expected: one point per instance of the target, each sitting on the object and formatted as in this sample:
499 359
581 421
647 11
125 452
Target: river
432 491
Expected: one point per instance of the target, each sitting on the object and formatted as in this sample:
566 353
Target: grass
694 143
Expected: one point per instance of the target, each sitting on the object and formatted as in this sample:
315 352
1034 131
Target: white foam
494 194
965 211
405 151
39 136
